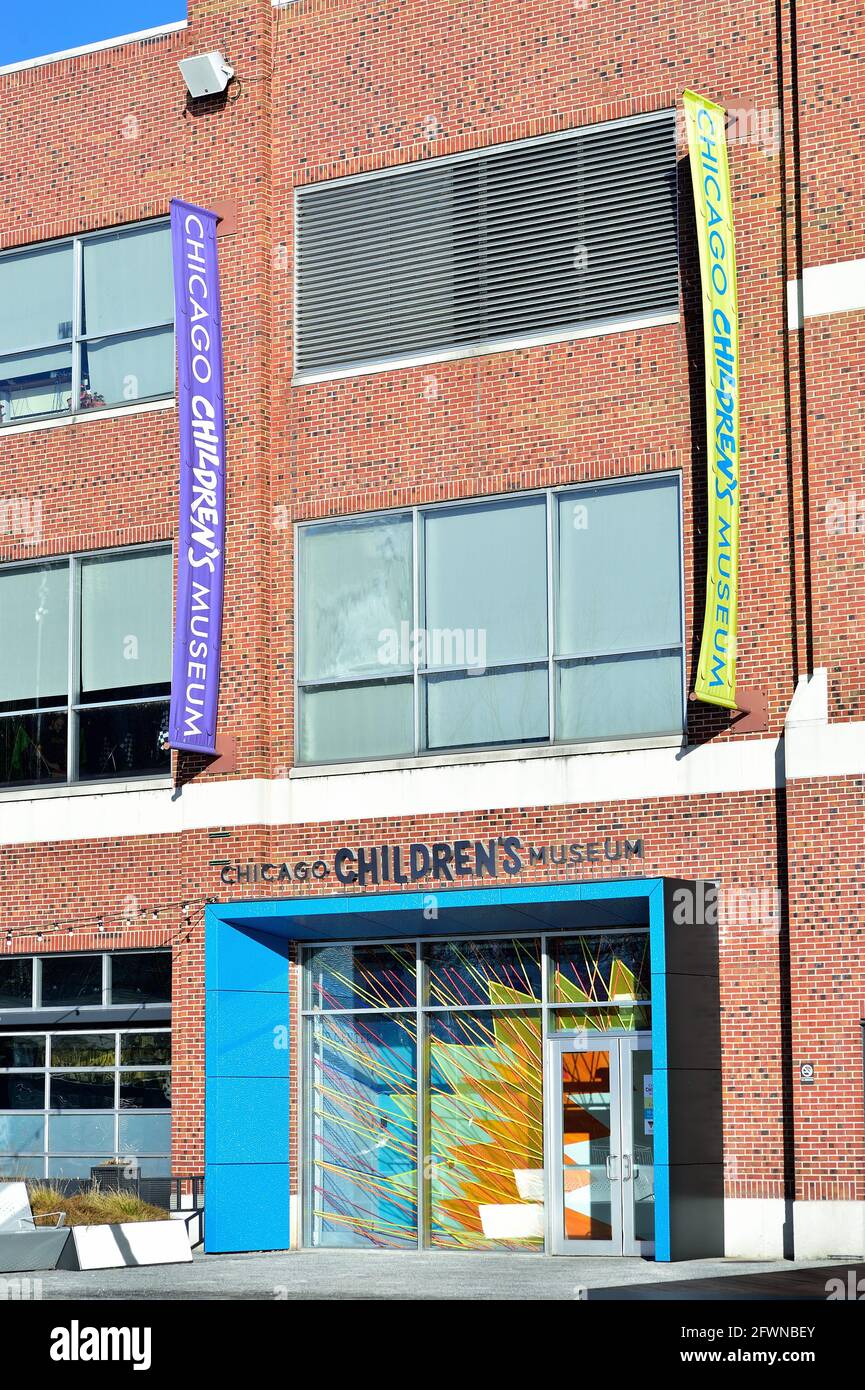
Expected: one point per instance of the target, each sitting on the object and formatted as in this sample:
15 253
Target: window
86 979
86 697
423 1079
86 323
535 240
541 618
72 1100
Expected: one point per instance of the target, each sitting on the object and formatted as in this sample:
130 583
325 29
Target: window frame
48 1112
74 706
105 1002
74 343
423 1011
554 658
620 323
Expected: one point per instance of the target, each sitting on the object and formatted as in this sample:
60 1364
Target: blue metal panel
254 1114
657 959
247 1034
242 958
247 977
247 1207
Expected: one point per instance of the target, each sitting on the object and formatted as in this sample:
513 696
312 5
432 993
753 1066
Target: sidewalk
400 1275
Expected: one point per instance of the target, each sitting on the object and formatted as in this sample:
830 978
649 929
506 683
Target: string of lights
191 911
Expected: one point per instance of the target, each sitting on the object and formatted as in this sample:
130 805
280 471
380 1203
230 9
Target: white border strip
173 28
576 780
826 289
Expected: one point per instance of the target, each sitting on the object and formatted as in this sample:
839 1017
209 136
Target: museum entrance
479 1093
601 1146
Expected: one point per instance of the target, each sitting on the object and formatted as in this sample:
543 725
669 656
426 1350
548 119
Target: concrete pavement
397 1275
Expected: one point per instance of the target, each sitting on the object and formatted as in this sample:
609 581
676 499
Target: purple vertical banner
200 568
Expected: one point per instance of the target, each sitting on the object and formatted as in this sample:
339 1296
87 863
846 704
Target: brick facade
332 87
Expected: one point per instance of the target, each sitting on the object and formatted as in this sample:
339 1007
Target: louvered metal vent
531 240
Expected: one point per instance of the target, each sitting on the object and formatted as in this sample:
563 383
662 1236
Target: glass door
600 1134
584 1133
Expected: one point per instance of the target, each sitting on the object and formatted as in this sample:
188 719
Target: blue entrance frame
249 1064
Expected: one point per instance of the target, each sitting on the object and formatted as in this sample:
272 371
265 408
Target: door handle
609 1162
628 1173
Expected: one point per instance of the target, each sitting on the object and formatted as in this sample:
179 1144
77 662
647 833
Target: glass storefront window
140 977
600 968
363 1131
83 1049
22 1090
145 1090
483 972
145 1049
360 977
85 1097
21 1050
424 1080
81 1090
71 980
486 1137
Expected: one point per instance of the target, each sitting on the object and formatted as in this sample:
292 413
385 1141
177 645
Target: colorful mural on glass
481 1071
608 973
363 1130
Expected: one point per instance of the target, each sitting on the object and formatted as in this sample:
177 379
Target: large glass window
100 709
546 617
423 1100
86 323
70 1100
86 980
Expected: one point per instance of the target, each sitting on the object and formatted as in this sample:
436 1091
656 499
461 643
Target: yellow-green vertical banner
710 175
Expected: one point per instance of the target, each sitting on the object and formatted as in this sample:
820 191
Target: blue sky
31 28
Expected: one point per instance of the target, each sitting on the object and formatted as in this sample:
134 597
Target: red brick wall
331 87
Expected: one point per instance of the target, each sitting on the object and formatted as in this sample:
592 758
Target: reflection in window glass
36 295
20 1050
125 342
145 1049
355 592
22 1090
34 624
486 1144
71 980
33 748
498 971
141 977
363 1132
81 1090
361 977
513 645
87 1122
16 985
20 1134
145 1134
145 1090
82 1049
